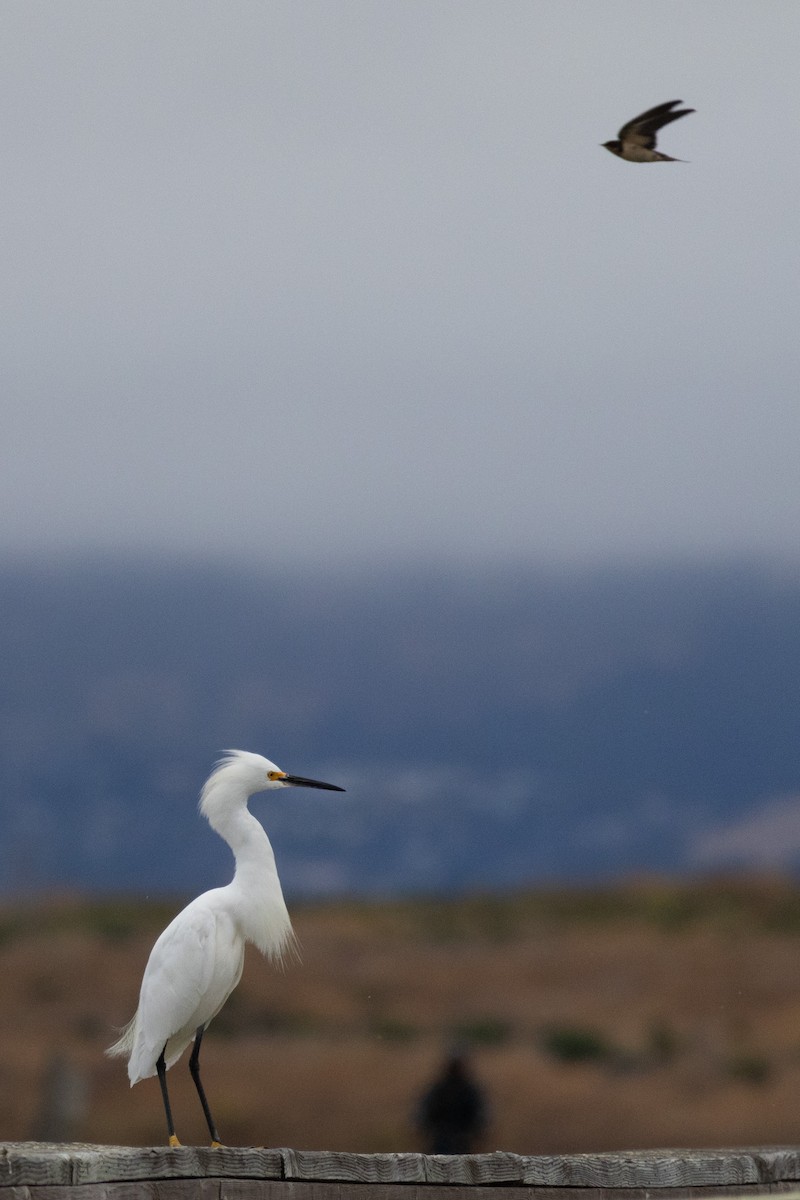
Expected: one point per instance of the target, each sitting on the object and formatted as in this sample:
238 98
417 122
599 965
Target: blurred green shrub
483 1031
391 1030
749 1068
573 1044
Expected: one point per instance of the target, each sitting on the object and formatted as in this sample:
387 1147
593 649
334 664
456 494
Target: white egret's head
241 771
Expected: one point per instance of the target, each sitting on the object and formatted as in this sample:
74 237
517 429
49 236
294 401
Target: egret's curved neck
255 890
245 835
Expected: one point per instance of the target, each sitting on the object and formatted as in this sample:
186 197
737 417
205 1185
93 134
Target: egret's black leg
194 1067
161 1067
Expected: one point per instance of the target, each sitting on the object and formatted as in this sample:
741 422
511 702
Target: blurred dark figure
452 1113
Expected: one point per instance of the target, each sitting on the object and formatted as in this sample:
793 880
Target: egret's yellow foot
216 1145
173 1141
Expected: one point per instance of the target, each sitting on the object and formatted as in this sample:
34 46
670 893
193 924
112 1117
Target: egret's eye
273 775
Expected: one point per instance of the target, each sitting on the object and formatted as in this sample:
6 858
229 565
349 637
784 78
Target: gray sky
327 278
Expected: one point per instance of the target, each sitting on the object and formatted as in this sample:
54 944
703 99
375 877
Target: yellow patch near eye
273 775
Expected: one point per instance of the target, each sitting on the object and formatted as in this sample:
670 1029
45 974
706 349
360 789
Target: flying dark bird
636 141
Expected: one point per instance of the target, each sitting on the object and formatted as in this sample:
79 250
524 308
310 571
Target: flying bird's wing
642 130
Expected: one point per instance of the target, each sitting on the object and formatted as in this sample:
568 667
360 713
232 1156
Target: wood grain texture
173 1189
38 1163
274 1189
252 1189
236 1173
641 1168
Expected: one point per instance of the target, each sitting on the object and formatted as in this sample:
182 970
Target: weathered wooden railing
45 1171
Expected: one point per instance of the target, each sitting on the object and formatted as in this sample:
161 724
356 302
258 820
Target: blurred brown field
650 1014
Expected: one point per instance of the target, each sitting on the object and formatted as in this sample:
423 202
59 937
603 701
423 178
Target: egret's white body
197 961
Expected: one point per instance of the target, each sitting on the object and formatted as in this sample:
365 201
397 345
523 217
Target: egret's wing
180 965
642 130
193 968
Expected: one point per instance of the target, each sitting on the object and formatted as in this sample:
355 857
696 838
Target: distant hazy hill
491 727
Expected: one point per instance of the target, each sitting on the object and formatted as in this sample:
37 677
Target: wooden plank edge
275 1189
39 1164
730 1168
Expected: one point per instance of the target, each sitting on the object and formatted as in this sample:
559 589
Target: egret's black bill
299 781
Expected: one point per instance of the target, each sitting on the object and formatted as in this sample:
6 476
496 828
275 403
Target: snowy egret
197 961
